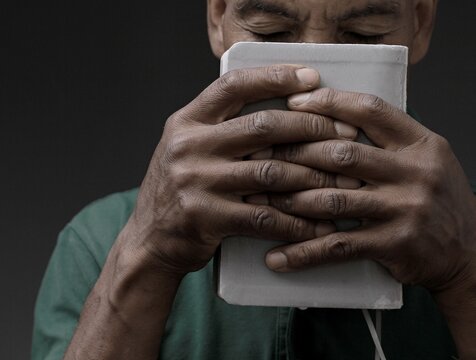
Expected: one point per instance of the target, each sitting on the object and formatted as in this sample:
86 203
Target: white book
242 277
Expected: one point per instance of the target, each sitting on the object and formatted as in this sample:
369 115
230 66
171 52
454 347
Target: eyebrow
247 7
381 7
385 7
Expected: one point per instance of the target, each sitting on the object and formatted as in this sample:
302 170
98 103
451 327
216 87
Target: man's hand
192 196
417 210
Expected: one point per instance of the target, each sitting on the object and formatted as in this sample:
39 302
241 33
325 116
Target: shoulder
99 223
73 269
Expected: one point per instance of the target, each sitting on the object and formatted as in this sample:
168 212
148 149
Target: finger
335 247
365 162
385 125
249 177
247 134
266 222
332 204
227 95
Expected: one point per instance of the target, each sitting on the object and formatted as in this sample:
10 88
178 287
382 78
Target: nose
318 36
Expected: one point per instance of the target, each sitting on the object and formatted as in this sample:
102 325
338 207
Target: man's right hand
192 195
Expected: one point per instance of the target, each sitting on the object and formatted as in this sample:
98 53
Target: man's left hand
416 207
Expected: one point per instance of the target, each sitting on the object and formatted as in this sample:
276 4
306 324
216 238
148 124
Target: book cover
241 275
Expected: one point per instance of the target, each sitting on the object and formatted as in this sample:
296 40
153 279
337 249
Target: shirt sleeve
70 275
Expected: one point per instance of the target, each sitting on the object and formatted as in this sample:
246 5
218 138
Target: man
136 272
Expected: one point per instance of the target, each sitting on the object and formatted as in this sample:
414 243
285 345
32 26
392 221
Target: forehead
325 9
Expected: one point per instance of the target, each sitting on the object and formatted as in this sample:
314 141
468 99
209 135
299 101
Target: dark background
85 88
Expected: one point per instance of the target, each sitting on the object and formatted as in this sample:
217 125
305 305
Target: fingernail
276 260
258 199
324 228
262 155
344 182
345 130
308 77
299 99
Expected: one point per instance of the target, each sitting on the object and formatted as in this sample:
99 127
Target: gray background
85 88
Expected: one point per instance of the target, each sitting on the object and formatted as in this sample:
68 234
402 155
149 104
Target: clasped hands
287 174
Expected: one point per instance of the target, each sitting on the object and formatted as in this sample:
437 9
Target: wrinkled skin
203 177
288 174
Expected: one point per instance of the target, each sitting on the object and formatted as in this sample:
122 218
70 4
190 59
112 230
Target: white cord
379 355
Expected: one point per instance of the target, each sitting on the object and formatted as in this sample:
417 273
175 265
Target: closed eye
354 37
274 36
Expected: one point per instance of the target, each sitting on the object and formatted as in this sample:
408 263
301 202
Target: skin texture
216 174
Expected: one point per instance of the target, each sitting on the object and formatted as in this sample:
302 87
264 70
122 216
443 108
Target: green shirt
203 327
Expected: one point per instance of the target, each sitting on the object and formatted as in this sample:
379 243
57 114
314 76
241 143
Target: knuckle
418 207
322 179
442 144
262 219
432 167
435 172
372 104
182 176
181 144
261 123
298 230
268 173
305 256
190 206
173 120
278 75
408 235
231 81
442 153
314 126
327 99
178 117
415 219
408 249
344 154
340 247
334 203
